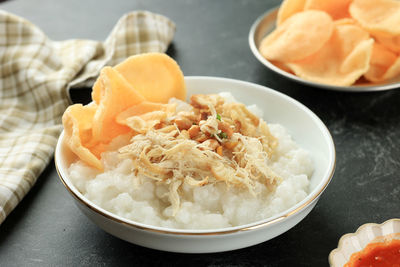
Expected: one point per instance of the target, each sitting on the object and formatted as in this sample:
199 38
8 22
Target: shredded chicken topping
208 141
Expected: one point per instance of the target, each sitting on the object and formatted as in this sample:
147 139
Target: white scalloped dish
365 234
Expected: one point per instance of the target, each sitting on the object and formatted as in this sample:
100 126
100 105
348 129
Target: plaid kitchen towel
35 75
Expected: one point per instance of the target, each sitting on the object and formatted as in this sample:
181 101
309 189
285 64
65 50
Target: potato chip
155 76
114 94
289 8
377 16
78 122
385 64
342 60
337 9
291 42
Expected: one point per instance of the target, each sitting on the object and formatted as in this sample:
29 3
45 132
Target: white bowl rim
311 197
353 88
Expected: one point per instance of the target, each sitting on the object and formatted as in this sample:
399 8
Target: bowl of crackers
347 45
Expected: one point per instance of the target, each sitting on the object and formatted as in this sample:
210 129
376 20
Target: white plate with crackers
267 23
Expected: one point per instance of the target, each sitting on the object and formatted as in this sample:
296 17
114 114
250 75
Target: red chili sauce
382 254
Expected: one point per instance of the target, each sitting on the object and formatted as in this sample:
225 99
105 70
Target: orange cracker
78 122
291 42
337 9
342 60
156 76
289 8
116 96
377 16
385 64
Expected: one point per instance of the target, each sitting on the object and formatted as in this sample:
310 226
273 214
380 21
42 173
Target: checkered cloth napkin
35 76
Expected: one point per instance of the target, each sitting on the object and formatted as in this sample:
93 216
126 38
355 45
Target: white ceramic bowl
365 234
303 125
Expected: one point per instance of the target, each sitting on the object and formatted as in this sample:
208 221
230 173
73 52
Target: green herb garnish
218 117
222 135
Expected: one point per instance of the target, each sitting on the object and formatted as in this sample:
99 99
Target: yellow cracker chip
291 42
342 60
344 21
389 41
385 64
78 122
394 70
282 65
289 8
156 76
143 108
377 16
337 9
89 129
116 96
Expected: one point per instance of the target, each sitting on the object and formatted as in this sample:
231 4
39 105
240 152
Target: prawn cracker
290 42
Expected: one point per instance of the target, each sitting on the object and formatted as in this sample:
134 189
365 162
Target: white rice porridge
211 206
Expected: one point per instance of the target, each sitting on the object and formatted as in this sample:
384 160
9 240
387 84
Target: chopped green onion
218 117
222 135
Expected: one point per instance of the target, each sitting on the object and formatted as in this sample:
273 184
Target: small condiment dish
365 234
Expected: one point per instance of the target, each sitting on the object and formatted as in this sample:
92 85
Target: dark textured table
47 229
